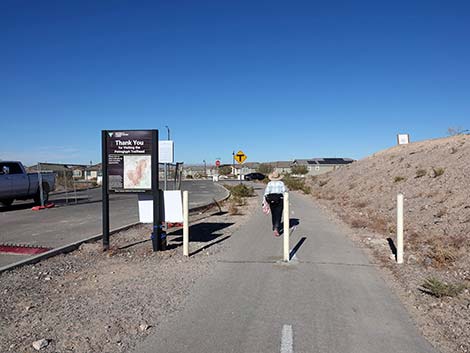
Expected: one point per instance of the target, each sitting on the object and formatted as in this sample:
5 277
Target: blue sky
277 79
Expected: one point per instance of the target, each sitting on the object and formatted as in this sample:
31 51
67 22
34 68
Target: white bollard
286 227
185 223
400 228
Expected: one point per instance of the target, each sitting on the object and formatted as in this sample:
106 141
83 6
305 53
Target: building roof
324 161
281 164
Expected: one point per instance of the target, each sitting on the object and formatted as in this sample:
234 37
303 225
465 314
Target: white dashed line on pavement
287 341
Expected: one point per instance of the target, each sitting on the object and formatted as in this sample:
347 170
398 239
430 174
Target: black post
158 236
233 163
104 190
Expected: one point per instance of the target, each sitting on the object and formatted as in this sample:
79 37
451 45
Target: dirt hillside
434 177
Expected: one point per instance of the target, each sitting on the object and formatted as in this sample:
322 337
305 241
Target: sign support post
158 236
104 190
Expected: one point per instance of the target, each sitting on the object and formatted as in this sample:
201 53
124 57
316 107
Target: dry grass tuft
397 179
442 254
420 173
438 172
378 225
358 223
439 289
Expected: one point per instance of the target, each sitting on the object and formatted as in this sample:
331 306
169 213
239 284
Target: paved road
329 299
65 224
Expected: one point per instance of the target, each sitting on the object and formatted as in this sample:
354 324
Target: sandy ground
434 177
90 301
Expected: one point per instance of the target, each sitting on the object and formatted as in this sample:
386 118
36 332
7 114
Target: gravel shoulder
90 301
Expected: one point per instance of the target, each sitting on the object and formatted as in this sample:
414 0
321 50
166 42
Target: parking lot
68 221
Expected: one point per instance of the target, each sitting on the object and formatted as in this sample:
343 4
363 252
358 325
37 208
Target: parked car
17 184
255 176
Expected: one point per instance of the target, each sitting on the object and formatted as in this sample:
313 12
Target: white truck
17 184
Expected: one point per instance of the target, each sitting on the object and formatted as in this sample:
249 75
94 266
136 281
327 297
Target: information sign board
129 160
166 151
403 139
130 164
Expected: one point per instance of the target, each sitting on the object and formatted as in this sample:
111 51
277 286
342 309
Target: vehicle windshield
12 168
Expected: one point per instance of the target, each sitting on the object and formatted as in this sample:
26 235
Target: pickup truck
17 184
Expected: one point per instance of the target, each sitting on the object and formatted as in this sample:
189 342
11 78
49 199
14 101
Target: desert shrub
323 182
240 190
306 189
299 169
397 179
438 172
265 168
225 170
293 183
439 289
420 173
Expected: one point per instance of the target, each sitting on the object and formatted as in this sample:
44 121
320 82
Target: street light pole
166 164
233 163
168 132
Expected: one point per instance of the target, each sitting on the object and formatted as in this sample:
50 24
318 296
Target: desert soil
434 177
90 301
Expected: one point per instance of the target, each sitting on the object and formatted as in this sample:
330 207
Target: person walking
274 196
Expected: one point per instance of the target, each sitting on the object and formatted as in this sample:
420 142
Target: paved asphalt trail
328 299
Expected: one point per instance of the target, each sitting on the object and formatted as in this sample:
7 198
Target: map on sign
137 173
240 157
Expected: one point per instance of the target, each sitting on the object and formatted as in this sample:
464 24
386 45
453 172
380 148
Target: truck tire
45 194
6 203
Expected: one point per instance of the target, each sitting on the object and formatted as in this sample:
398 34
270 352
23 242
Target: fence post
286 227
400 228
41 195
185 223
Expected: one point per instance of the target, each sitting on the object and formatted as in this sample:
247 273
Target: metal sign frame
158 236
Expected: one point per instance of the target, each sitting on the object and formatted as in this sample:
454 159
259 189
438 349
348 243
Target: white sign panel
403 139
165 151
172 207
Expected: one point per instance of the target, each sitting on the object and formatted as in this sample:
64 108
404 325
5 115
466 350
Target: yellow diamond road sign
240 157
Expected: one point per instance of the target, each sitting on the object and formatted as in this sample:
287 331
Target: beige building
317 166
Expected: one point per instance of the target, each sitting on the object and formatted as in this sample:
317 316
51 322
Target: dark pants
276 213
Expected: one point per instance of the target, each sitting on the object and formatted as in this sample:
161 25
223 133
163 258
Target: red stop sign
217 163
